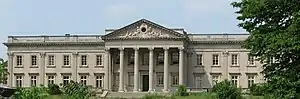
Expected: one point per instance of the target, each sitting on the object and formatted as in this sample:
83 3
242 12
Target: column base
121 91
166 90
136 91
151 90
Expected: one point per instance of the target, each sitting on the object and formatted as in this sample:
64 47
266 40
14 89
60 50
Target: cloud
121 10
199 7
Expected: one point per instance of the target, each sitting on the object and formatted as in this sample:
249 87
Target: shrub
76 90
155 96
53 89
181 91
30 93
227 90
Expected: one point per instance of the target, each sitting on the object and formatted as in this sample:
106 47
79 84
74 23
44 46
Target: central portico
144 56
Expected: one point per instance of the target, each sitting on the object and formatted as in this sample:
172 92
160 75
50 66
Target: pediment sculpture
144 31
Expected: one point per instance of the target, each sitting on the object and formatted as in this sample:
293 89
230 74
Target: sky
59 17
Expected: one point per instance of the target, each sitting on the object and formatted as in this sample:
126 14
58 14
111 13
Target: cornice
217 42
53 43
156 38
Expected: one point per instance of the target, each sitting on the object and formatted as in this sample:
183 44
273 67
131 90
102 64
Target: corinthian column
42 67
166 70
151 69
121 73
136 70
180 65
106 66
10 68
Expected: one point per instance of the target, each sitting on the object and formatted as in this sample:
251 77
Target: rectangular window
66 60
234 59
33 80
83 60
175 79
19 81
116 82
251 80
51 79
83 80
19 60
99 60
234 79
130 58
199 59
146 59
51 60
130 78
33 60
250 60
160 58
175 58
215 79
215 60
159 79
198 81
66 80
99 81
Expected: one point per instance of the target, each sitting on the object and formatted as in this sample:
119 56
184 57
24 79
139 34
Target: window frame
199 58
19 60
67 80
50 79
250 80
33 80
234 59
33 60
67 60
19 80
99 81
251 60
84 79
216 60
99 60
159 79
175 58
235 80
83 60
51 60
159 58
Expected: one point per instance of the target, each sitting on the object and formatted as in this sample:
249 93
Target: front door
145 82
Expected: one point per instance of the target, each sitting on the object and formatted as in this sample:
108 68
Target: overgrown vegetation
75 90
181 91
227 90
274 27
31 93
53 89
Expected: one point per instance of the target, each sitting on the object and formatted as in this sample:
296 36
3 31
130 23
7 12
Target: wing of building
142 56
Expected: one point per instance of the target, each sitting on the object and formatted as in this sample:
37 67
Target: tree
3 71
274 27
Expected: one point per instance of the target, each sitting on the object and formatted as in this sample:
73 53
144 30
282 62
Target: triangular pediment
143 29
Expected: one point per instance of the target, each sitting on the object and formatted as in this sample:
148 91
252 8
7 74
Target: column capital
43 54
136 48
121 48
10 54
181 48
151 48
166 48
75 53
106 48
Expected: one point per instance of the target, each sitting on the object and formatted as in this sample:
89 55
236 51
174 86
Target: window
117 58
33 80
66 60
130 78
33 60
159 79
215 60
251 79
146 59
215 79
198 80
234 80
99 60
83 60
250 60
51 79
160 58
51 60
199 59
175 79
83 80
66 80
175 57
234 59
130 58
19 81
19 60
99 81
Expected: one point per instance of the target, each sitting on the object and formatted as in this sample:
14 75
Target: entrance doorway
145 83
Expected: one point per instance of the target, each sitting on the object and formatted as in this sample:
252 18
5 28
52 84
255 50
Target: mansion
142 56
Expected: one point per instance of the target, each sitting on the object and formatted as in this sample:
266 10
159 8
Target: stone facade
148 56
